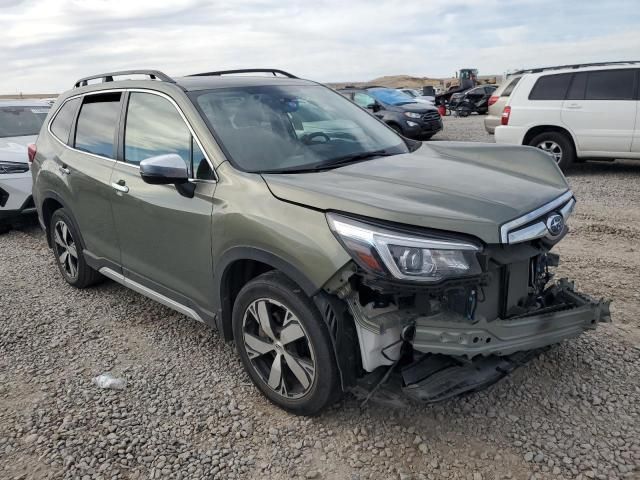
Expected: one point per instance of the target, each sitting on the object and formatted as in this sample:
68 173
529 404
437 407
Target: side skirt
153 295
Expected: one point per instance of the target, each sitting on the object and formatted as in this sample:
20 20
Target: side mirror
168 169
374 107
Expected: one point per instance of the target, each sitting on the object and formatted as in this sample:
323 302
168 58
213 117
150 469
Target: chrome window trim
518 222
139 90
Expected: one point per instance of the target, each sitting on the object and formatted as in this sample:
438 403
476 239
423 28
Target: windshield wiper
352 158
334 162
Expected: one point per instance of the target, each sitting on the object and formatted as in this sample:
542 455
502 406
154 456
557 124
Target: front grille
533 224
431 116
11 167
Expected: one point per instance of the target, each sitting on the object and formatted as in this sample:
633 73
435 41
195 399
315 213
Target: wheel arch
50 203
538 129
240 265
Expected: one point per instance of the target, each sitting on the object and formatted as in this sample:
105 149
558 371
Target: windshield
21 121
280 128
389 96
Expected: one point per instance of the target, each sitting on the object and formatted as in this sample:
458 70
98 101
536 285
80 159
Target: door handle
574 106
120 186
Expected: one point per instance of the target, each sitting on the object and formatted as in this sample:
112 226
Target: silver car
20 122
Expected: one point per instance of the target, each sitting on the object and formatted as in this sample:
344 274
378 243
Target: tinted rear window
551 87
512 84
97 124
610 85
20 121
61 125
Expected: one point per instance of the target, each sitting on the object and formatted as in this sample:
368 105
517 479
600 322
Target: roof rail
273 71
577 65
108 77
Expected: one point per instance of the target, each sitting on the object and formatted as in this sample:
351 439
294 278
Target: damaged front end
450 314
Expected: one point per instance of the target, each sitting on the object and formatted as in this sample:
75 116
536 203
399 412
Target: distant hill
398 81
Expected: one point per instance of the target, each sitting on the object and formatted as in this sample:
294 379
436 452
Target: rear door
600 109
86 169
165 237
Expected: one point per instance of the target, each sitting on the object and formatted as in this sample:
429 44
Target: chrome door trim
152 294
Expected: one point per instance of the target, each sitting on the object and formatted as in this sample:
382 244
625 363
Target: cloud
48 44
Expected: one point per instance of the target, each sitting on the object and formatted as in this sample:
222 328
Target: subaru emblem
555 224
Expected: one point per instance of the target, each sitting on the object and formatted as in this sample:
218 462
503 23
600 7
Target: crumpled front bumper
572 314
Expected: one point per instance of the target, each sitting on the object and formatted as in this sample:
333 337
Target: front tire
558 145
67 249
285 345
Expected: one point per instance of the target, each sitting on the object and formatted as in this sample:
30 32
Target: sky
48 44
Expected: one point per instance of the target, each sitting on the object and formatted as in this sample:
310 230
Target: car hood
457 187
14 149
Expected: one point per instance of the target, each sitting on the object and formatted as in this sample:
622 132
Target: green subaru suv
336 254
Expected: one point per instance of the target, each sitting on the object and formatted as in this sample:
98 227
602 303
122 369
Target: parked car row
333 251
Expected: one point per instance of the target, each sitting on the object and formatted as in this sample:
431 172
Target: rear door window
61 125
551 87
96 129
610 85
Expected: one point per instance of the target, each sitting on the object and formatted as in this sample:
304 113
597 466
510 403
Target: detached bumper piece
565 314
434 378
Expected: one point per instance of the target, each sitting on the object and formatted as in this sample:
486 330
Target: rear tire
67 250
558 145
285 345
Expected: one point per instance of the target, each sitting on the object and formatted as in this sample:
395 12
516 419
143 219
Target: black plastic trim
223 303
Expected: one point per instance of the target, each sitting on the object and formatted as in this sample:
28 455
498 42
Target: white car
576 112
20 122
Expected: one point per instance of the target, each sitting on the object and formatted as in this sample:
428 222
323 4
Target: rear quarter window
61 125
551 87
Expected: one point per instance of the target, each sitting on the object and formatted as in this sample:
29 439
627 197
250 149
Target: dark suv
401 112
332 250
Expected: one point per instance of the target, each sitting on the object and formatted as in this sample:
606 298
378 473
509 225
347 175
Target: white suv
576 113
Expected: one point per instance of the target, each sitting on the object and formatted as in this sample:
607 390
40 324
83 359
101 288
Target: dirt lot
189 411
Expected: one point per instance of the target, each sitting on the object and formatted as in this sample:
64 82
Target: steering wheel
308 139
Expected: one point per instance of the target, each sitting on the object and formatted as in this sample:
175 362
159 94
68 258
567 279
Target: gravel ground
189 411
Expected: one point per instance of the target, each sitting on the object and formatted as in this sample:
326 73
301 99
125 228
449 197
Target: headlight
405 256
413 115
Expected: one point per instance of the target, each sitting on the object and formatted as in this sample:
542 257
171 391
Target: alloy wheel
65 248
278 348
552 148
